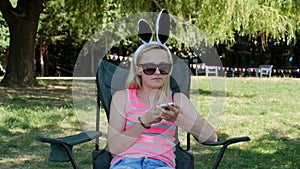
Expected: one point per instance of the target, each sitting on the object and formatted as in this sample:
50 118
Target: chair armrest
61 148
73 139
225 144
228 142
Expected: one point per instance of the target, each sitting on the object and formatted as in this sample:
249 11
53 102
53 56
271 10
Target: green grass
267 110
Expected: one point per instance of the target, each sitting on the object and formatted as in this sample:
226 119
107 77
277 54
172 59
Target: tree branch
5 8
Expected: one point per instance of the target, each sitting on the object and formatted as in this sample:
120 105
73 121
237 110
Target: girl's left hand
171 113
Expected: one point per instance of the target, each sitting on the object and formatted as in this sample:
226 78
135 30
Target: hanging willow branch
220 21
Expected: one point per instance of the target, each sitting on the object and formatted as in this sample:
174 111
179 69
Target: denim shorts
140 163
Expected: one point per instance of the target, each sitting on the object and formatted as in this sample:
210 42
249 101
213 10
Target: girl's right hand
151 117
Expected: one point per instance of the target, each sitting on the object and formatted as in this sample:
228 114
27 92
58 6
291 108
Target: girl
141 134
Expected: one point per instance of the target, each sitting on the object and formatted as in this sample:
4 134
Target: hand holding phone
165 105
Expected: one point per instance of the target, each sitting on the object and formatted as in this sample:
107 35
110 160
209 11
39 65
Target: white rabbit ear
144 31
163 26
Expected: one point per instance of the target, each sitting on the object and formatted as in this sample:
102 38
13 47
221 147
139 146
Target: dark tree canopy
222 22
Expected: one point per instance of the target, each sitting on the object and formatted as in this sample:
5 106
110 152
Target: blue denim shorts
140 163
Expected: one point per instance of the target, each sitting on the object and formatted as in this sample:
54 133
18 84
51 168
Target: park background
246 34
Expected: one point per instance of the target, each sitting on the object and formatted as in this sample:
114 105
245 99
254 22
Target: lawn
265 109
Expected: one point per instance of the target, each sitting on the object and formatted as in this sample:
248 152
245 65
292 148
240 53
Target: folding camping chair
109 79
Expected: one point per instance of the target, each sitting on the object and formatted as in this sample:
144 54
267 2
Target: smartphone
164 106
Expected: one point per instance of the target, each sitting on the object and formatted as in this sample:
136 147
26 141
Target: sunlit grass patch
265 109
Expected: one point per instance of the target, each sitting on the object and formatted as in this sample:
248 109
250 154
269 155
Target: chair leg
71 157
220 156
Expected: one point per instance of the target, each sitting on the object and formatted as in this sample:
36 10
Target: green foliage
221 20
61 20
4 42
66 28
68 24
4 34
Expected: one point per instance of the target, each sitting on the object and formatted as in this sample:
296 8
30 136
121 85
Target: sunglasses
150 68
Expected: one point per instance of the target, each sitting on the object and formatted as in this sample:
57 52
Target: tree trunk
22 22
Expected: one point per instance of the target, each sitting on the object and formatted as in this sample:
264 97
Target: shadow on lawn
219 93
24 150
269 151
23 109
274 150
38 96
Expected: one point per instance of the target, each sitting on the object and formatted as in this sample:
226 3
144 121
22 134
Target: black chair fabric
111 78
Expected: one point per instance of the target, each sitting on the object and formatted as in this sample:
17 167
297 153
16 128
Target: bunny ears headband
162 33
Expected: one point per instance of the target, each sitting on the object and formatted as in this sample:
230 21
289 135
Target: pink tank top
156 142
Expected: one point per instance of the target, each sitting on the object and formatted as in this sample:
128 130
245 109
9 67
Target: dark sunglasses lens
149 71
164 69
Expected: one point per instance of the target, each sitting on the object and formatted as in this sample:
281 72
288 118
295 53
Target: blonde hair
134 81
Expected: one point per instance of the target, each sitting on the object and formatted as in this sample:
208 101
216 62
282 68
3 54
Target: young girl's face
154 68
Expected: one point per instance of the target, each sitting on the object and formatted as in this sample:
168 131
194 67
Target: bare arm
186 117
118 138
